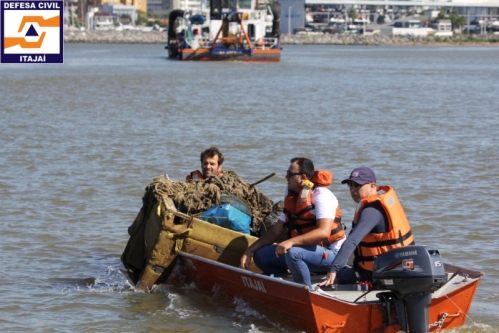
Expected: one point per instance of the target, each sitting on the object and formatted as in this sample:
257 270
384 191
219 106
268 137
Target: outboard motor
412 273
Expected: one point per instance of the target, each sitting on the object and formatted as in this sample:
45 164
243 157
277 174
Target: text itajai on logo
32 31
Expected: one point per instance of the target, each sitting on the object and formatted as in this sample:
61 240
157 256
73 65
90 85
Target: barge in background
238 32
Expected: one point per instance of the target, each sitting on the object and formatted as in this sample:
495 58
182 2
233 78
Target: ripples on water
81 141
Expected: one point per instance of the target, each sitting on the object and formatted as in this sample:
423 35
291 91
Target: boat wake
244 309
186 302
474 327
113 281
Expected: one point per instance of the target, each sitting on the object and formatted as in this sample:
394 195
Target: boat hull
272 55
209 256
313 311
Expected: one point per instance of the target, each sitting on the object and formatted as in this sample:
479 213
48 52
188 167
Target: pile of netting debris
194 197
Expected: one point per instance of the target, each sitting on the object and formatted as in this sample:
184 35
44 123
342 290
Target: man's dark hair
306 166
211 152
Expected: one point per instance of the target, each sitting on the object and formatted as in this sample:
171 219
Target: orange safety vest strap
301 212
302 226
293 217
313 223
366 259
362 258
290 223
338 229
399 240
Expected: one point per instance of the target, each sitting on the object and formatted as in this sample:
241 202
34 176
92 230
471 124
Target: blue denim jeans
300 260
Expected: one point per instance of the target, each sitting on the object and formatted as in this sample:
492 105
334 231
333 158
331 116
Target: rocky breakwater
161 37
157 37
350 39
377 39
112 36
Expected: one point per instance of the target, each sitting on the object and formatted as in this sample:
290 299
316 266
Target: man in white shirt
313 219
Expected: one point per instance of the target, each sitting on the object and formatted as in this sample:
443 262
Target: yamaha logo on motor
32 32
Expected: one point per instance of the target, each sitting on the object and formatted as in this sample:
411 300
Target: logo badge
408 264
32 31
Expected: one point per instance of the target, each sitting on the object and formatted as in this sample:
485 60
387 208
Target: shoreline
157 37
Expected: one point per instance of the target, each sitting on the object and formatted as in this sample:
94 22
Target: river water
80 141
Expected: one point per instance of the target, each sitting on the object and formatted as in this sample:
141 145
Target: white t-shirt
325 203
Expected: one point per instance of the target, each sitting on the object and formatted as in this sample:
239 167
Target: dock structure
294 12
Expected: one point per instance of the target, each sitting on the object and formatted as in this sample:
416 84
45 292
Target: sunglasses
291 174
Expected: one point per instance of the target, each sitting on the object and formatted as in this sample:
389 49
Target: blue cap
361 176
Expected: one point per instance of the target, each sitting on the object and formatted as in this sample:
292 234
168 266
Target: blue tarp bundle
228 216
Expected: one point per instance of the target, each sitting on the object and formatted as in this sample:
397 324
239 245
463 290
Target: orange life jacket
198 175
300 211
399 232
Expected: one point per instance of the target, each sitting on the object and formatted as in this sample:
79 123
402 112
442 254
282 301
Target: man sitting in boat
211 164
379 225
313 218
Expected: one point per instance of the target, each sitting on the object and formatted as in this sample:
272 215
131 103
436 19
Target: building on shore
85 6
111 15
294 13
159 7
163 7
323 15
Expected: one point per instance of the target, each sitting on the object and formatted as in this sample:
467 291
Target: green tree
353 14
441 14
142 18
456 19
